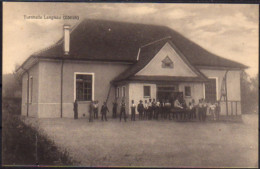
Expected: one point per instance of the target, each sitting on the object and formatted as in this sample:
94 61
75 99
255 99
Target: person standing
157 109
212 111
190 111
133 106
75 108
122 110
140 109
114 109
193 112
205 108
91 111
154 109
145 109
178 108
168 109
218 109
150 109
162 108
104 111
200 109
95 105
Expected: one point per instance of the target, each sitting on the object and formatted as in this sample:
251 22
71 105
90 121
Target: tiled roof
104 40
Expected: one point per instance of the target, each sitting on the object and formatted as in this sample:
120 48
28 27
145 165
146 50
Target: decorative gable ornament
167 63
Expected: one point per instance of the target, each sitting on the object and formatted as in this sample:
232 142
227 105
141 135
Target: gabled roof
147 53
104 40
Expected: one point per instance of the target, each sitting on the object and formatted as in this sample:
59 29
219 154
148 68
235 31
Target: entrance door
167 92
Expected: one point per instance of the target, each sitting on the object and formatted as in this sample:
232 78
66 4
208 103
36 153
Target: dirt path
156 143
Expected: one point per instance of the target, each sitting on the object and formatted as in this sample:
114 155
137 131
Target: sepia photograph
130 85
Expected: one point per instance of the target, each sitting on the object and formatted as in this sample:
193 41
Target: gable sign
167 62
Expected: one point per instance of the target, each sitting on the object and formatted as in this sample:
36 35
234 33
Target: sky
228 30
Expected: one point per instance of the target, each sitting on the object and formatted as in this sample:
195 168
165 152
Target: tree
249 93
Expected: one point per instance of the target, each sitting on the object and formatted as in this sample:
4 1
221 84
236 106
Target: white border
93 84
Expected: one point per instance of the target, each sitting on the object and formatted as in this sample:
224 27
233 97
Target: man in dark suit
140 109
114 109
122 110
104 111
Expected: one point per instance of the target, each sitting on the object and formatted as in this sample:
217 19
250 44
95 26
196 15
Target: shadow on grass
24 145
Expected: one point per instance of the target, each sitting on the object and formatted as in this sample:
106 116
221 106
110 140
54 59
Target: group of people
153 109
93 110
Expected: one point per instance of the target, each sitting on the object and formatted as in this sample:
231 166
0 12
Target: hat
141 101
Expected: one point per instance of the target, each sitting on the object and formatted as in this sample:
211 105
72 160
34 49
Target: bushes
19 145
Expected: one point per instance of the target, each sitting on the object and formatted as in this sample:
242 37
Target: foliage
19 145
249 93
12 86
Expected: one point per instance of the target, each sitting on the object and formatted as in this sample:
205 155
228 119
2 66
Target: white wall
233 87
154 67
196 91
136 92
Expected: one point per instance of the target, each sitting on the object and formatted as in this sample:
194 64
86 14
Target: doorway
167 92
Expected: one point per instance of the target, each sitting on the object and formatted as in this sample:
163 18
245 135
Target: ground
156 143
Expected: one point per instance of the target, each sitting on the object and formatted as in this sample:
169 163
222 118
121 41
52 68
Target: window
187 91
147 91
117 92
123 91
211 90
31 90
167 63
84 87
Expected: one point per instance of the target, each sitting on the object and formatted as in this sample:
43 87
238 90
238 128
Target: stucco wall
50 86
233 87
49 89
154 67
33 106
136 93
196 91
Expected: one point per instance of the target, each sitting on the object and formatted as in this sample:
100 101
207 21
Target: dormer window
167 63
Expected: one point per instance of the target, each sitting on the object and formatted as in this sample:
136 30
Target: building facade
107 61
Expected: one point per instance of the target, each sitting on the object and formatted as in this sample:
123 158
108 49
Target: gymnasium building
106 60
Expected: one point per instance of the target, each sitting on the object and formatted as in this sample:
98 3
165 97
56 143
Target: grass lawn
156 143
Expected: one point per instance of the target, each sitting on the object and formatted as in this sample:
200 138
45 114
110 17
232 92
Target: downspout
61 88
27 105
226 92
